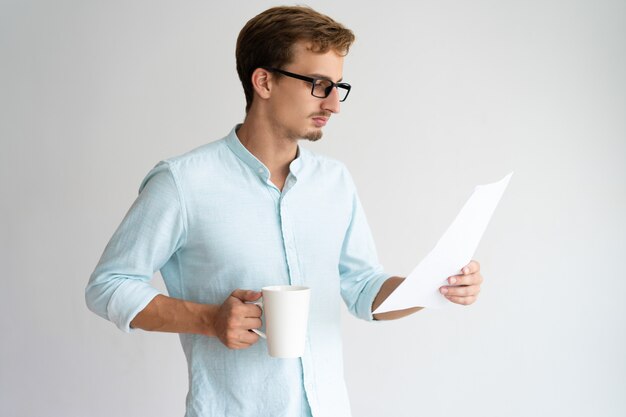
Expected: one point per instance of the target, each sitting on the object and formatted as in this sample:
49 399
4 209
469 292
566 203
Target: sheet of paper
453 251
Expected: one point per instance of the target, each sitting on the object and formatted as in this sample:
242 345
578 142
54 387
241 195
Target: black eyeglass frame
313 81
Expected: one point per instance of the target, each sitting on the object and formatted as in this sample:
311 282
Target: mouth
320 121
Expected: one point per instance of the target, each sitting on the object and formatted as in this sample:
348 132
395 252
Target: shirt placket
286 214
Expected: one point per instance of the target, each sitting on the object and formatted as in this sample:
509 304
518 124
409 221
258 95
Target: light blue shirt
212 221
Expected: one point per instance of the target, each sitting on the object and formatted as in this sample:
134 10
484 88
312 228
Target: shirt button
260 170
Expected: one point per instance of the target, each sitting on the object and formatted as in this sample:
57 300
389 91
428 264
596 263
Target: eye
323 84
322 87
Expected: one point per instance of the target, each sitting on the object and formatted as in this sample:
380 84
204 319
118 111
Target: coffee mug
286 310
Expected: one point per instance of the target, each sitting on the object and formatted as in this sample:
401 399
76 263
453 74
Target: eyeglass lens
322 89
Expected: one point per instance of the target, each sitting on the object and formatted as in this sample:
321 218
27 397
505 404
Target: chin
313 135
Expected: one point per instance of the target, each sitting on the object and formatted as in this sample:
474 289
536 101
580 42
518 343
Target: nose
331 103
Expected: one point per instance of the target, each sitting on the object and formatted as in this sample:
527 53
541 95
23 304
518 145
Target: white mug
286 310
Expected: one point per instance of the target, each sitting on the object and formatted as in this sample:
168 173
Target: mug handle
260 333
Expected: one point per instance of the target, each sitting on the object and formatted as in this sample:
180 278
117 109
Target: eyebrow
325 77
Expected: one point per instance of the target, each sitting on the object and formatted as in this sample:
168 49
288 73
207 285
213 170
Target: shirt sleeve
149 235
361 274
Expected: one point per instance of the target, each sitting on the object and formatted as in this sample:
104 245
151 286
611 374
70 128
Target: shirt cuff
364 305
128 300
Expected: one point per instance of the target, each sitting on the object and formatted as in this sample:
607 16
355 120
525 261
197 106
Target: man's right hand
235 317
230 322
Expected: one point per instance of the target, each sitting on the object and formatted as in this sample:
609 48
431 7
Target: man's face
294 112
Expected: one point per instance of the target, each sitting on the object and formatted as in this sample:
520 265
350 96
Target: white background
446 95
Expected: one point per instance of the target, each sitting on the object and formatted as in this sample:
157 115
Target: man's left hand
464 288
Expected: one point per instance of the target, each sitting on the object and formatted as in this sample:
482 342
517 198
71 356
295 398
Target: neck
267 145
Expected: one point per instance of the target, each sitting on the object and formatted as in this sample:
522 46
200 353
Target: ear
262 83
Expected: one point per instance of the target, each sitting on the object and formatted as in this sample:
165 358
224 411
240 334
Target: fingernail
465 270
444 290
452 281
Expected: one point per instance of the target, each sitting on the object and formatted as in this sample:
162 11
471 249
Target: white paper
454 250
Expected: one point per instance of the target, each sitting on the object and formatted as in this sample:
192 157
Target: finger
472 279
251 323
248 338
240 339
240 320
462 300
251 310
246 295
471 268
239 345
461 291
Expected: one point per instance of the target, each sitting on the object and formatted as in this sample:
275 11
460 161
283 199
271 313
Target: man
250 210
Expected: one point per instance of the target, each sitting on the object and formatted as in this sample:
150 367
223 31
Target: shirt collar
253 162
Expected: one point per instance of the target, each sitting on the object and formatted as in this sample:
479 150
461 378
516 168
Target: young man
250 210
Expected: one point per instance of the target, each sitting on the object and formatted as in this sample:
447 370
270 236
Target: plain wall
446 95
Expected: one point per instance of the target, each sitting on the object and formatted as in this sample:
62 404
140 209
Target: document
454 250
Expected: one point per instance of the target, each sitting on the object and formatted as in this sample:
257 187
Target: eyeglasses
321 87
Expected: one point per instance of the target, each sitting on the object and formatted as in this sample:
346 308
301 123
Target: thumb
246 295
